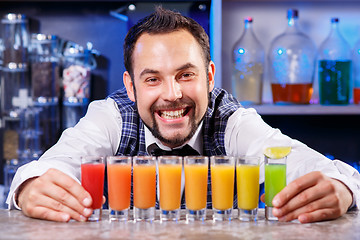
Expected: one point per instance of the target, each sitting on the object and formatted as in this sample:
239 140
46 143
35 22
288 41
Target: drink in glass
119 186
275 176
222 186
196 175
144 187
247 177
92 179
170 168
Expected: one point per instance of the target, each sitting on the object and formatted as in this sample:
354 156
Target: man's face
171 85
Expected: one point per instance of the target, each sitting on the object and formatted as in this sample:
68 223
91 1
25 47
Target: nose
172 90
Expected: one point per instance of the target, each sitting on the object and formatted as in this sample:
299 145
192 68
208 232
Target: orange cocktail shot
170 168
119 186
222 186
196 176
144 187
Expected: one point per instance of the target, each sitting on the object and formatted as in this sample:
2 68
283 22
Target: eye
152 80
187 75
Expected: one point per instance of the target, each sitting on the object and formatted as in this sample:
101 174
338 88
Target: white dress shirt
99 133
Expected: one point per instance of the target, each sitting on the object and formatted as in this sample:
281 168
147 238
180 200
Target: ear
129 86
211 75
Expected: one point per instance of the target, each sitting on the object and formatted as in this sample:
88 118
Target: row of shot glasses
144 169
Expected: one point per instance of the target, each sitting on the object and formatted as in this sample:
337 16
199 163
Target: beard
177 140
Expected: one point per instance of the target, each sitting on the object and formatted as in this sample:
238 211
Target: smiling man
170 102
168 82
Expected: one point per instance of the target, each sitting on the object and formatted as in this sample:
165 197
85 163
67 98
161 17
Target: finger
61 200
323 203
73 187
64 198
42 202
319 215
295 187
49 214
262 197
303 198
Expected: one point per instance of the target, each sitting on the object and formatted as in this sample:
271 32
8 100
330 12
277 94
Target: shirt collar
196 142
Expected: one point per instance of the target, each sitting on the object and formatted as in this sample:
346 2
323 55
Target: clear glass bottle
292 64
248 67
334 67
356 72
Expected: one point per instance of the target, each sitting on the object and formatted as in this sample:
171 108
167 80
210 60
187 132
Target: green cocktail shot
275 175
275 181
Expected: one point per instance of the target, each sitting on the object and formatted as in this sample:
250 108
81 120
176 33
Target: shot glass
222 187
247 181
196 176
119 187
92 179
170 168
275 181
144 188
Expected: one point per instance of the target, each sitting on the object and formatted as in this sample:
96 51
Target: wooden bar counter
14 225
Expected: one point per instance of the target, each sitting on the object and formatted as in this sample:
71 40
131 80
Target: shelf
270 109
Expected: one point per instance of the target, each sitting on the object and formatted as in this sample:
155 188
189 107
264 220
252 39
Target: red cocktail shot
92 179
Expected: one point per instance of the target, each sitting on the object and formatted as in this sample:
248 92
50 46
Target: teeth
172 114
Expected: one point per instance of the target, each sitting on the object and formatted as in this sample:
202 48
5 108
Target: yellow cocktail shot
247 177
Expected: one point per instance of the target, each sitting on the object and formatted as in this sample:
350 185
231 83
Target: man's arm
49 188
318 189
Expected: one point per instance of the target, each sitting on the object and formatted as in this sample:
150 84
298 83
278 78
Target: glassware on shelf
15 83
356 69
334 64
248 67
45 81
16 100
78 63
292 64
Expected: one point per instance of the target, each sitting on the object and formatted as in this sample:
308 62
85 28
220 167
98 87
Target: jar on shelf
248 57
334 68
45 72
45 82
78 63
292 64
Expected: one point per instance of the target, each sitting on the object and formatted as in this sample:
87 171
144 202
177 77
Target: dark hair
164 21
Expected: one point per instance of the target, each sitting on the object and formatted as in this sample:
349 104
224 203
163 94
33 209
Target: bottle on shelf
334 66
356 72
248 67
292 64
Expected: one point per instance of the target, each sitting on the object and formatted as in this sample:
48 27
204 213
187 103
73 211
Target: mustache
172 105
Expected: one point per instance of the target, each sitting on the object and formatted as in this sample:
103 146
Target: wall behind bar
83 21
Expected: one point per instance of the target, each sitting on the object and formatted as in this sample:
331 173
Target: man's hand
54 196
311 198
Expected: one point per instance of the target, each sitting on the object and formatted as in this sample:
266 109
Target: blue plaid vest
221 106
